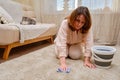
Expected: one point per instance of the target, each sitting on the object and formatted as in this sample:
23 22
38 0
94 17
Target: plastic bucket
103 56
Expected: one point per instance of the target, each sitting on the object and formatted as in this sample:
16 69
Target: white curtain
105 16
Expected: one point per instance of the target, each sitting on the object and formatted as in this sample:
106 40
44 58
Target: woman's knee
75 52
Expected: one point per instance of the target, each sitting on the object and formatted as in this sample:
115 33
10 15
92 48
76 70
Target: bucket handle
100 59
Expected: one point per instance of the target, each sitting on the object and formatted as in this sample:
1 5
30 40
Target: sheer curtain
105 16
26 2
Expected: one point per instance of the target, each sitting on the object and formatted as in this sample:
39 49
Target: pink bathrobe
66 36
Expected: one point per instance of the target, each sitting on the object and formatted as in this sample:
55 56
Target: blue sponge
67 70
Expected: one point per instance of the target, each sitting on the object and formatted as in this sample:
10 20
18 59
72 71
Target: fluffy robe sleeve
88 43
61 39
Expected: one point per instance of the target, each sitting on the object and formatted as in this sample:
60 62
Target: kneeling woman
74 31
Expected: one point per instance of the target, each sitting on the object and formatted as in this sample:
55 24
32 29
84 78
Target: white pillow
5 17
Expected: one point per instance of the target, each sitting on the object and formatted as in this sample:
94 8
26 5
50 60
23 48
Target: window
91 4
97 4
60 5
71 4
66 4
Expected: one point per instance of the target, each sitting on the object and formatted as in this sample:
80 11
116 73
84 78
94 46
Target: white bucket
103 56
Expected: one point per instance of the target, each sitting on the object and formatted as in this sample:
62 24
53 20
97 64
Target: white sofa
12 34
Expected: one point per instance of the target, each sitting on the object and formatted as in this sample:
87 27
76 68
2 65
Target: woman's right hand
63 65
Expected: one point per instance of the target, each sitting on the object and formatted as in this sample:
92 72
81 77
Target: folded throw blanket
31 31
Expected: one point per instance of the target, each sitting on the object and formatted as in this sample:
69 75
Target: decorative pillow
27 21
5 18
1 22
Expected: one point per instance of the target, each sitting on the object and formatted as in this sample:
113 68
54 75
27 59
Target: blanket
30 31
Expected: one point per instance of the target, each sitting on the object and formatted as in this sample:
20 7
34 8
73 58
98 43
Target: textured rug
42 64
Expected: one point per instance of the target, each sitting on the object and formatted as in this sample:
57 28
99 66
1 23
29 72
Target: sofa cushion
5 17
27 8
29 14
28 11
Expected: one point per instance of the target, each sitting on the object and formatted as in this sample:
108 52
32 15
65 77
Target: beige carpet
41 64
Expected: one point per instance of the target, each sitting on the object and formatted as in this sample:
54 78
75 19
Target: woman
75 31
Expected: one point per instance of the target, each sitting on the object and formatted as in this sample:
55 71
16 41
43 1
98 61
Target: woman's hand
88 63
63 65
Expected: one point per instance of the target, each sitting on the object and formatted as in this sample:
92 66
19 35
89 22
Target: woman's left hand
88 63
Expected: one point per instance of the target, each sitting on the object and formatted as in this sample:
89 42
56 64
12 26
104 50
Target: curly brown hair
82 10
